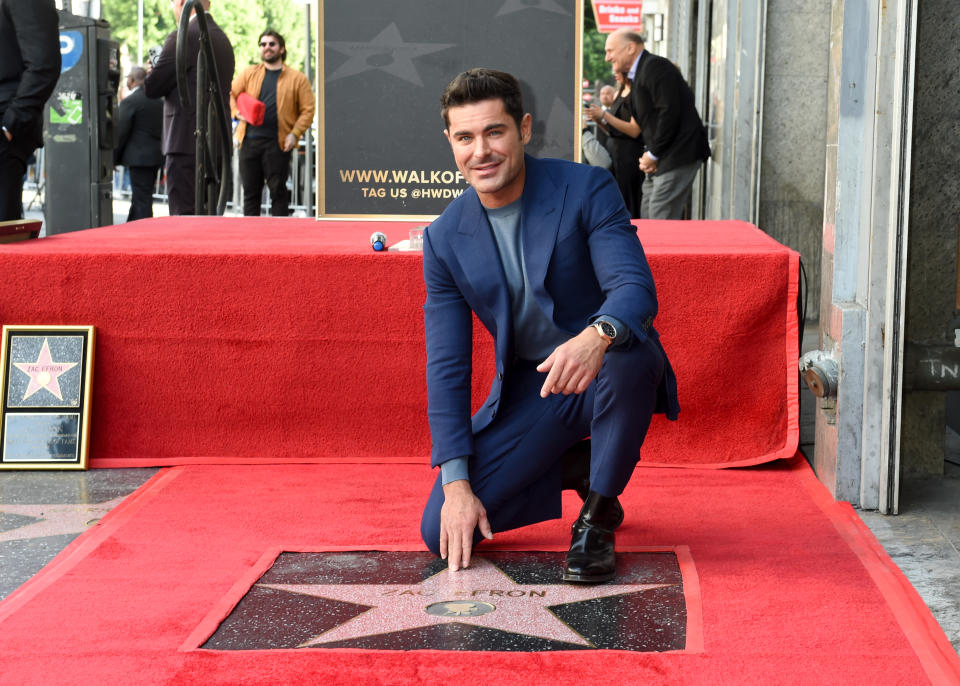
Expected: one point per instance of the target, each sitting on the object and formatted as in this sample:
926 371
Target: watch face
607 329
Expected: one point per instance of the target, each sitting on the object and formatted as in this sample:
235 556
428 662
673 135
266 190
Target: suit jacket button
499 376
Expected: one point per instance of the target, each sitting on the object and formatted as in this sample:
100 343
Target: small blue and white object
378 240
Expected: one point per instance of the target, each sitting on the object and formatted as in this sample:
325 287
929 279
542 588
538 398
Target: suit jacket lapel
542 209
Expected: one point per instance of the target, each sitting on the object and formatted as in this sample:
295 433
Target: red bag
251 109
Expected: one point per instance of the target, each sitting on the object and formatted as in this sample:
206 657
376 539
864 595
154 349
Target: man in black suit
29 69
141 125
179 123
673 134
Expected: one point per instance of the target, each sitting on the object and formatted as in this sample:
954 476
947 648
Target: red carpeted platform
262 340
793 589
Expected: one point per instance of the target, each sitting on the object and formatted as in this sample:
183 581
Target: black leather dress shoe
576 471
591 558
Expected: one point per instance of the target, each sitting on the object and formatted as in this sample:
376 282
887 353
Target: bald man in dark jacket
673 134
29 69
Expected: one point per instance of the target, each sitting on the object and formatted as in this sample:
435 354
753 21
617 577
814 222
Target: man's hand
648 165
289 143
573 365
461 514
7 134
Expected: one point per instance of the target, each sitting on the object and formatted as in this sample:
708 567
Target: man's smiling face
488 148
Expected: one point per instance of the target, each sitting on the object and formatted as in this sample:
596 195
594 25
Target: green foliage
241 20
158 21
594 68
289 19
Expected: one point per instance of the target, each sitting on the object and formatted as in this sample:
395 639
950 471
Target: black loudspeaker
80 128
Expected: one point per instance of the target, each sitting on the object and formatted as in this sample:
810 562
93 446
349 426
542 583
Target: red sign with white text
618 14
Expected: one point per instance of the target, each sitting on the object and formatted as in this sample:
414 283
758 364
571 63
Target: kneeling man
543 252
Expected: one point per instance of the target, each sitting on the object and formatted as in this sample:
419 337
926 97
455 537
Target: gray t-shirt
536 334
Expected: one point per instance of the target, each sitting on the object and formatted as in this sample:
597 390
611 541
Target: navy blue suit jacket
583 259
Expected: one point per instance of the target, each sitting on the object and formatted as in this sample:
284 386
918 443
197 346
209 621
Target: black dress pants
262 160
142 180
626 171
181 173
12 169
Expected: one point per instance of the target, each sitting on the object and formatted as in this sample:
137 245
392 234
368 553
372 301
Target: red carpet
794 590
259 340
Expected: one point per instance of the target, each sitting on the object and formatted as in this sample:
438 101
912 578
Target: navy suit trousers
516 471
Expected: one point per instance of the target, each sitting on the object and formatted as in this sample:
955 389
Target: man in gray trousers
673 134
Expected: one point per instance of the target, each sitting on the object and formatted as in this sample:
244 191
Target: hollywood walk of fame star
511 6
44 373
387 52
54 520
518 608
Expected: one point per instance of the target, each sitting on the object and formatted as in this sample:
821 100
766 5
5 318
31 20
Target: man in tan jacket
265 149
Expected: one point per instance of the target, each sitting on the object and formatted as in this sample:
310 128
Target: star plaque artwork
387 156
505 601
46 376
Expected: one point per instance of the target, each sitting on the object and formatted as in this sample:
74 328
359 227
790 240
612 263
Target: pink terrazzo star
517 608
55 520
44 373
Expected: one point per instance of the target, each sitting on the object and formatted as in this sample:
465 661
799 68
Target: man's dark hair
477 85
280 42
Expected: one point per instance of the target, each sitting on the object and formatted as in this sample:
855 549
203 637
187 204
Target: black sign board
382 65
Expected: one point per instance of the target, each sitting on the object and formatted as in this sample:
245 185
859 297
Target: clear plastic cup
416 239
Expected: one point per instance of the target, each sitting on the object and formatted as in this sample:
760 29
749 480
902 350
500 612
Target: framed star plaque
46 373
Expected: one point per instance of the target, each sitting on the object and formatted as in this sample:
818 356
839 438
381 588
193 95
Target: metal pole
308 164
200 179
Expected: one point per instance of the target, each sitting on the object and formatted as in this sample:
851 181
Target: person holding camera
179 122
625 144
